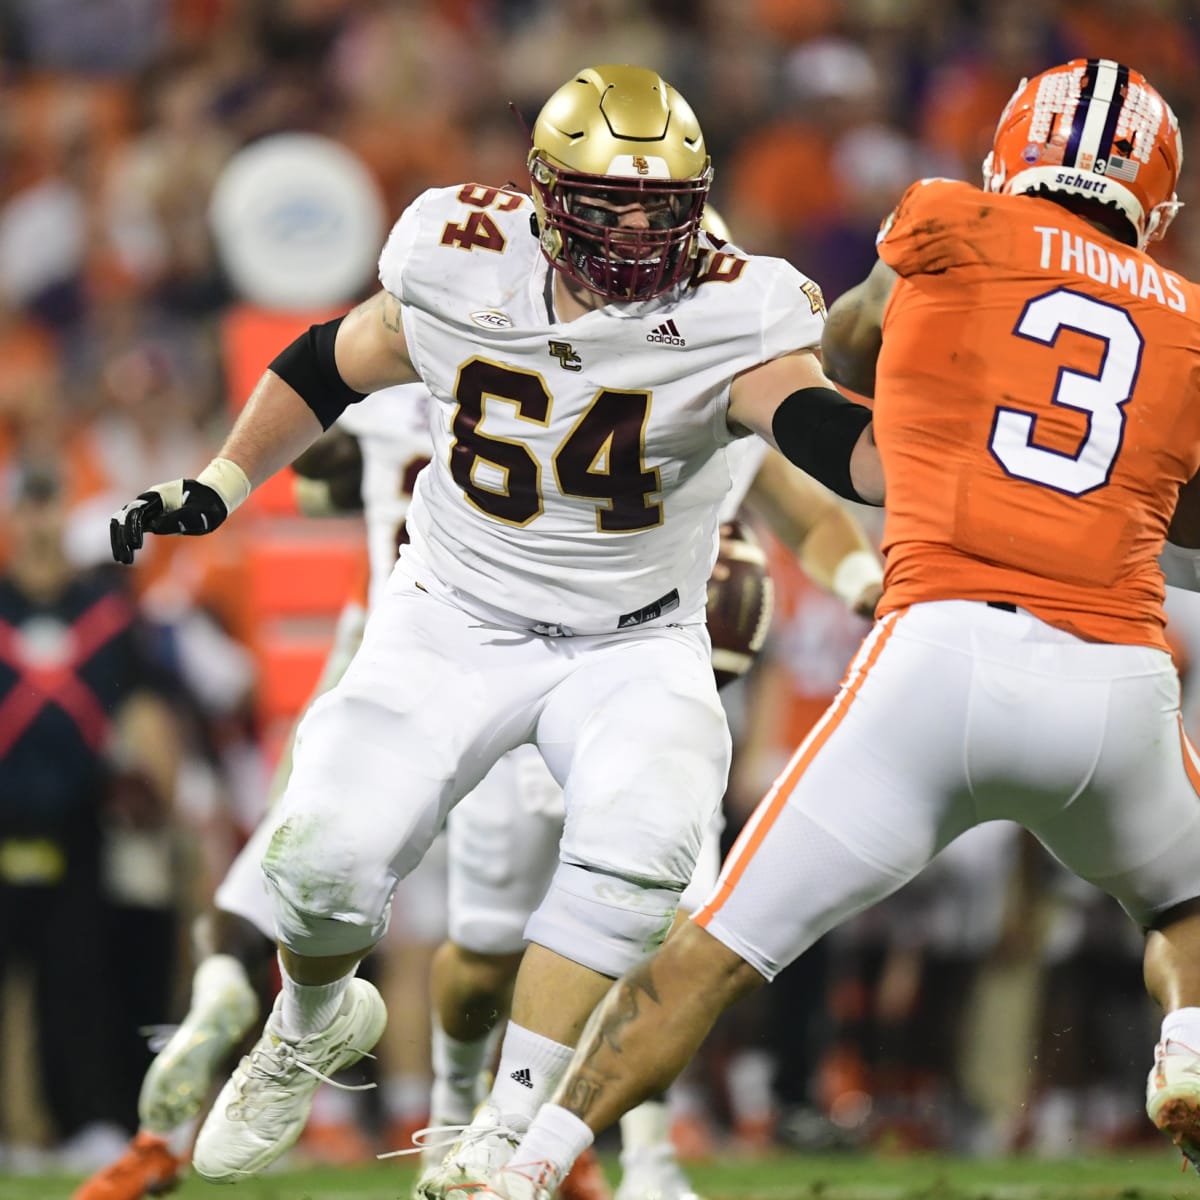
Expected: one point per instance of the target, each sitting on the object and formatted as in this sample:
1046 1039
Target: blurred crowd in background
992 1006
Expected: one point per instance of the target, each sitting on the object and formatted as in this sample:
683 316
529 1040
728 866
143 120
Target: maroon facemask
622 263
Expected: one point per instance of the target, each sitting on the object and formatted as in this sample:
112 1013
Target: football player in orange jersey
1034 375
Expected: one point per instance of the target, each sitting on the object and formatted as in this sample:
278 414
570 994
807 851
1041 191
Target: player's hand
867 600
182 506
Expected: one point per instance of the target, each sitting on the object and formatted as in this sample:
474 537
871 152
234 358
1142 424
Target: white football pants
629 725
954 713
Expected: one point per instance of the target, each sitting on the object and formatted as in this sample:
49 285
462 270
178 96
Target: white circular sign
298 222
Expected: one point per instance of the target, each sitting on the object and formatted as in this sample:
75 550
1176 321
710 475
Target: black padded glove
182 506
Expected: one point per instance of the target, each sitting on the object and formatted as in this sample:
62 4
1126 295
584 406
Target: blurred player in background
554 587
1035 375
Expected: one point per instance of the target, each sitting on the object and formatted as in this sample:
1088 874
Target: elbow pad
1180 566
817 428
309 367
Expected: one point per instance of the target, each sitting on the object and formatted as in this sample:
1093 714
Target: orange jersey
1037 408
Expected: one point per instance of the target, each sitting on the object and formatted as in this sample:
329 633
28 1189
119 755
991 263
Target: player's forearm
838 555
274 428
826 539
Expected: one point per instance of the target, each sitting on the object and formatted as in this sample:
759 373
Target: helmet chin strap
1160 217
993 181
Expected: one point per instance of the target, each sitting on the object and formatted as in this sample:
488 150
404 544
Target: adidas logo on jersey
523 1077
667 335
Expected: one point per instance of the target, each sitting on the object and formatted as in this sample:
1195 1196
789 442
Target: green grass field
1151 1175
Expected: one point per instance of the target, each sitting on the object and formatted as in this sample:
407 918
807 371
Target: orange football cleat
585 1180
754 1136
335 1144
693 1139
147 1168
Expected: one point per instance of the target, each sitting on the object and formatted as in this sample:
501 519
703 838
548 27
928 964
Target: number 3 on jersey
601 459
1102 396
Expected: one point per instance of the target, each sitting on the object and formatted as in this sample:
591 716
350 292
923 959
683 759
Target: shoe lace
271 1064
431 1136
436 1136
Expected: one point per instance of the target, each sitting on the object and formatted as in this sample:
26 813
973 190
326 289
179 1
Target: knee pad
315 935
318 910
602 922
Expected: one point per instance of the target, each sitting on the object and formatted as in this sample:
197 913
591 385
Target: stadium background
994 1008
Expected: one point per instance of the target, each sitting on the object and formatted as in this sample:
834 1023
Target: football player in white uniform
589 381
503 839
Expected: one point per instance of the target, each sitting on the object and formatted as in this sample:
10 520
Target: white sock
1183 1026
646 1127
309 1008
458 1068
530 1068
549 1150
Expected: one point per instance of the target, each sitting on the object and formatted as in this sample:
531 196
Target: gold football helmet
612 138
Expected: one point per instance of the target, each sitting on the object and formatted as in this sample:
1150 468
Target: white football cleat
263 1108
509 1183
653 1173
224 1006
453 1103
481 1149
1173 1096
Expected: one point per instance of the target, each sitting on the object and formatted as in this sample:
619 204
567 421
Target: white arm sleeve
1180 567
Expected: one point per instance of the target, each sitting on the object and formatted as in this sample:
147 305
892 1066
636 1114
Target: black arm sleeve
817 428
308 365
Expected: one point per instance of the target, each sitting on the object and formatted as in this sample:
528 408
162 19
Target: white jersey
744 456
392 427
578 467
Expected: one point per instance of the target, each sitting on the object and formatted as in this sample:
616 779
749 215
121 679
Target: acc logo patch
491 318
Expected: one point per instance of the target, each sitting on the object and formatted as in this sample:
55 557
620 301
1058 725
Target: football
740 601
